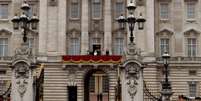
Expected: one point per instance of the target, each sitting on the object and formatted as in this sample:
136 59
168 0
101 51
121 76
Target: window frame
4 44
186 10
166 45
168 11
119 12
191 46
78 12
195 88
92 9
7 17
74 34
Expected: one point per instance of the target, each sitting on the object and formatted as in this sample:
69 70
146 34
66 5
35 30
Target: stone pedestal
22 75
132 75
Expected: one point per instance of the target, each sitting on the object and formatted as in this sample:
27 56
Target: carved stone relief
21 75
23 52
132 75
22 70
72 75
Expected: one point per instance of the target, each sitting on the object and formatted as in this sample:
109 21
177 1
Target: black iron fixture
131 20
25 21
166 92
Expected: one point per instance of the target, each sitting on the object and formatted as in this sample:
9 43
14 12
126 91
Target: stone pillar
84 27
22 82
52 29
107 26
22 74
149 26
62 27
43 28
132 75
132 82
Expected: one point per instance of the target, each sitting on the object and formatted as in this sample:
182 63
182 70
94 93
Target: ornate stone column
132 76
22 74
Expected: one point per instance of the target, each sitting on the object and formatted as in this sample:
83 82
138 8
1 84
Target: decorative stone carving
21 75
132 74
23 51
22 70
133 50
72 76
22 87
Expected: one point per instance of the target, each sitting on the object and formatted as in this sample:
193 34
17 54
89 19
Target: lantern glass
166 58
16 25
140 25
34 25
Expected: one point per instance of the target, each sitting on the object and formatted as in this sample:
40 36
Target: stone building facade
79 27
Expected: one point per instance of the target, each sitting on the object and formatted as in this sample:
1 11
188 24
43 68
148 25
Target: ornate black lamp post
166 86
131 20
25 21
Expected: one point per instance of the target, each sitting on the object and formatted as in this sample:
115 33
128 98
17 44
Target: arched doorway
96 86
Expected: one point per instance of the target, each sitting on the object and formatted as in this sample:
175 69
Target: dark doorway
72 93
97 48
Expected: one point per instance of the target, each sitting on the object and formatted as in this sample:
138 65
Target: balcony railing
181 59
6 58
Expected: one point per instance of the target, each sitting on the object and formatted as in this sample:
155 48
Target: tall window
164 45
164 10
190 10
30 42
3 46
74 9
119 9
192 89
96 8
118 46
3 11
191 47
74 48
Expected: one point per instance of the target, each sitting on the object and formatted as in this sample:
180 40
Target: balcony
181 59
91 59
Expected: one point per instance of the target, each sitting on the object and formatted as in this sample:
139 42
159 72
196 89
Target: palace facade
71 31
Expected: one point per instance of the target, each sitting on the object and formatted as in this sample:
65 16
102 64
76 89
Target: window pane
3 11
3 46
30 42
164 10
192 89
96 9
119 8
164 45
74 46
118 46
74 10
191 47
190 10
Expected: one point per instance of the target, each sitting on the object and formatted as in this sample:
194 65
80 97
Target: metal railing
181 59
148 96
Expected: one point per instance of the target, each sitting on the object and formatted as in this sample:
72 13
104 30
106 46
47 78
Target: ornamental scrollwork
21 74
133 73
21 70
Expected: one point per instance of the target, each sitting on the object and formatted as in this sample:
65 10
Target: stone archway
96 86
